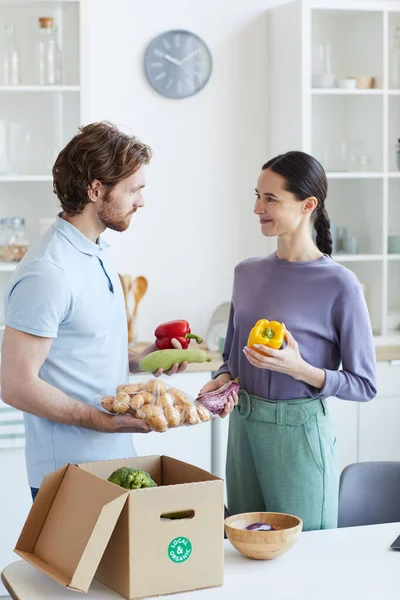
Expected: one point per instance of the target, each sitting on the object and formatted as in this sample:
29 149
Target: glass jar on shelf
10 58
48 55
323 76
398 154
14 243
394 71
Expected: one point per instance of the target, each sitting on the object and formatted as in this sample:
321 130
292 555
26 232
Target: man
65 343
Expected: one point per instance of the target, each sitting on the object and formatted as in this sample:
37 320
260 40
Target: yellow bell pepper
267 333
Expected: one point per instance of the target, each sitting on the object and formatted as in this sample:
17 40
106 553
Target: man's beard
112 218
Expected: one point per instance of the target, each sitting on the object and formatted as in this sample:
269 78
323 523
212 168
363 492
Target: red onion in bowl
260 526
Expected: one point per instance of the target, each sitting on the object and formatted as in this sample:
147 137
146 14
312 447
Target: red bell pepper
179 330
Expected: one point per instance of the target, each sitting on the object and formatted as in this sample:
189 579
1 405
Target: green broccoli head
120 476
131 479
142 479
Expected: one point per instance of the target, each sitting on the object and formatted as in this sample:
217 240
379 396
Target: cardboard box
82 526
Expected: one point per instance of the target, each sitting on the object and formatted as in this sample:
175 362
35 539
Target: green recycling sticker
180 549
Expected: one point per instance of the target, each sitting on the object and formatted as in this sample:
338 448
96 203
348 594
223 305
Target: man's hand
127 424
21 387
135 358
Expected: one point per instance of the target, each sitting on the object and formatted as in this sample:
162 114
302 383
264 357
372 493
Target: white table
338 564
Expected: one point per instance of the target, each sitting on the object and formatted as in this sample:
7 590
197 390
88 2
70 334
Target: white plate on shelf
215 332
218 326
221 313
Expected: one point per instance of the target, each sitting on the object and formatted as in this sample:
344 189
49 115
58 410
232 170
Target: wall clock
177 63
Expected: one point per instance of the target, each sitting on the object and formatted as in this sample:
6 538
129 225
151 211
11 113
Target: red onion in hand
216 401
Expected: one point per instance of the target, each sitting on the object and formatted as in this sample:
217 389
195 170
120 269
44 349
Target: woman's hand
288 361
215 384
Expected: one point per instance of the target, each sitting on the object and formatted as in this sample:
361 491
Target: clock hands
189 56
173 60
181 64
178 62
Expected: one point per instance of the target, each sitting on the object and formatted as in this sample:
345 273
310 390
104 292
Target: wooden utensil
134 290
126 282
139 288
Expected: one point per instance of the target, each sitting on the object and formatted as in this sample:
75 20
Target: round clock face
178 64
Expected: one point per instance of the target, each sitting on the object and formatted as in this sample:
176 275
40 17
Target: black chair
369 494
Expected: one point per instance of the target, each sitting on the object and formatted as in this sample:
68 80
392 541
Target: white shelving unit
50 114
344 92
24 178
321 120
15 89
7 267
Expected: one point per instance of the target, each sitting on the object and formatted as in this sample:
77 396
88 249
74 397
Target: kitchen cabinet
44 117
352 131
379 421
345 415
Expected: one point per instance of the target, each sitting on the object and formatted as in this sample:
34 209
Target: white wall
208 150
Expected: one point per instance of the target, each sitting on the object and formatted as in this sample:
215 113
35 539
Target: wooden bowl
263 545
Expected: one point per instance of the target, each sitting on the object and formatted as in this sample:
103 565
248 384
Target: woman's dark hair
304 177
99 151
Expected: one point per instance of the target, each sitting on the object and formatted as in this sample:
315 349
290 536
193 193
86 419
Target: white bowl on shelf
349 83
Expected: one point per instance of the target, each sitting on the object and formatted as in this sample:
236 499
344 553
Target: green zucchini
165 359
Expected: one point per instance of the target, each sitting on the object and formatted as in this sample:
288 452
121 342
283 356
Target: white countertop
336 564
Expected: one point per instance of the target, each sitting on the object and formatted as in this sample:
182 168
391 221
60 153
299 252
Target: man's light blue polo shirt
67 289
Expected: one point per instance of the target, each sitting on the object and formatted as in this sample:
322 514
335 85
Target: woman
282 453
